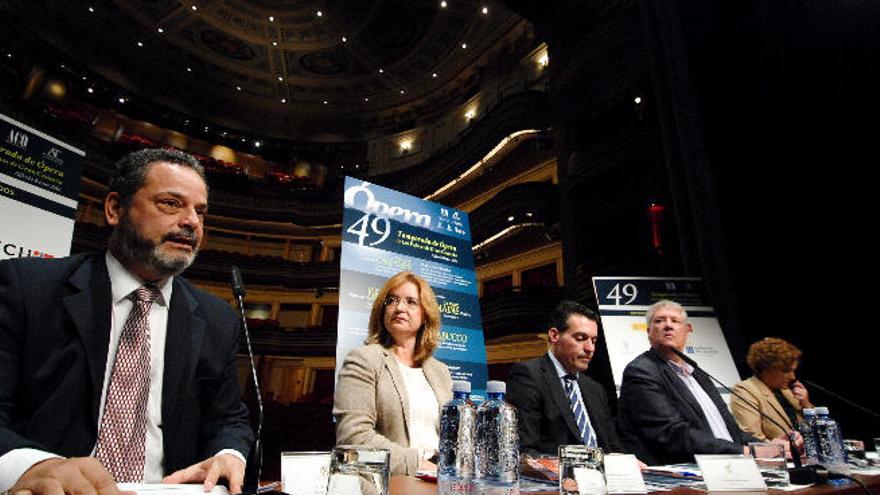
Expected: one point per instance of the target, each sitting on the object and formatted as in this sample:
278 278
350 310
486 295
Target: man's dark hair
561 313
131 170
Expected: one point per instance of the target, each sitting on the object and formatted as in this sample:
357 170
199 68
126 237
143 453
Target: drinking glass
581 470
770 458
358 470
855 449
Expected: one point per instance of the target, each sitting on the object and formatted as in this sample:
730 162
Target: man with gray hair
112 367
669 410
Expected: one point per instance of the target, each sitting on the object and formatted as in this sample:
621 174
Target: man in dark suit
113 355
668 410
557 404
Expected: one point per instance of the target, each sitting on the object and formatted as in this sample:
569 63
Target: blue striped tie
580 414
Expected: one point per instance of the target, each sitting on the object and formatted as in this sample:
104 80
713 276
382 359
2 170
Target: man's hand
800 393
57 476
210 470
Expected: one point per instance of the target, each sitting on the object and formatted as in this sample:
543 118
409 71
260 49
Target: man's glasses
411 303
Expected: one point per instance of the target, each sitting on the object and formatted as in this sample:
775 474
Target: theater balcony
520 206
270 339
510 114
511 129
213 265
518 310
265 270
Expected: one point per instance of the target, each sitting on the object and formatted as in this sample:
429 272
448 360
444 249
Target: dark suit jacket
544 415
660 420
54 335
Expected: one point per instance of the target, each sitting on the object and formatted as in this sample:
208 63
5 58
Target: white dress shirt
685 372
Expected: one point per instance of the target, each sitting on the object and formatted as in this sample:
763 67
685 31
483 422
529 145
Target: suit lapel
681 388
707 385
89 307
183 342
770 398
554 387
433 376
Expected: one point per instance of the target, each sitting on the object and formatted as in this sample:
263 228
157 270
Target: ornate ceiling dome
339 70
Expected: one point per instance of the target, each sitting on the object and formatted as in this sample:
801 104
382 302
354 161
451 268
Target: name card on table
589 481
730 473
623 475
305 473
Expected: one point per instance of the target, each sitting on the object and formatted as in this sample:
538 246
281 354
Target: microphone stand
239 293
846 401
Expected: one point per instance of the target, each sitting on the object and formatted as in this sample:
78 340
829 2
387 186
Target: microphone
846 401
238 292
237 284
799 474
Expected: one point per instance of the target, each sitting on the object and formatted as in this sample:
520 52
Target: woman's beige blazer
371 404
760 395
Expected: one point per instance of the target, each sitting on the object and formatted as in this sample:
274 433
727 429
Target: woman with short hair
390 390
774 390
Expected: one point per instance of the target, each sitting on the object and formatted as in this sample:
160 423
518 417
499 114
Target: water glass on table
770 458
581 470
855 453
358 470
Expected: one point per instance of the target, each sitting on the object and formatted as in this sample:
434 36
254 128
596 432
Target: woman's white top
424 410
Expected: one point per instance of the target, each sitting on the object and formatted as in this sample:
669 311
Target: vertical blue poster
385 232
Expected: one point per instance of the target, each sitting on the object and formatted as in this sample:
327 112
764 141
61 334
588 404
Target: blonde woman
390 390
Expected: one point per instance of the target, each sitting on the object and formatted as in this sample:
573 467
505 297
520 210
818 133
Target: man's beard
129 247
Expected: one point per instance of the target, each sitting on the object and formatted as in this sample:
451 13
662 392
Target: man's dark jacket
544 414
54 337
660 420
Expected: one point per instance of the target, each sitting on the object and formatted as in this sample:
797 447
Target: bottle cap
461 386
496 387
809 411
821 410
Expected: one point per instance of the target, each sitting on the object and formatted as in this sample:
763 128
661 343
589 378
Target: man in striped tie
112 367
557 404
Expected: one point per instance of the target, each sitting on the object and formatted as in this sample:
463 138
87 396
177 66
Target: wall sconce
405 146
544 60
470 115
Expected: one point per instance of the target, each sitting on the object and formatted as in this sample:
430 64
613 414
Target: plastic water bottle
828 437
458 423
497 460
807 430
